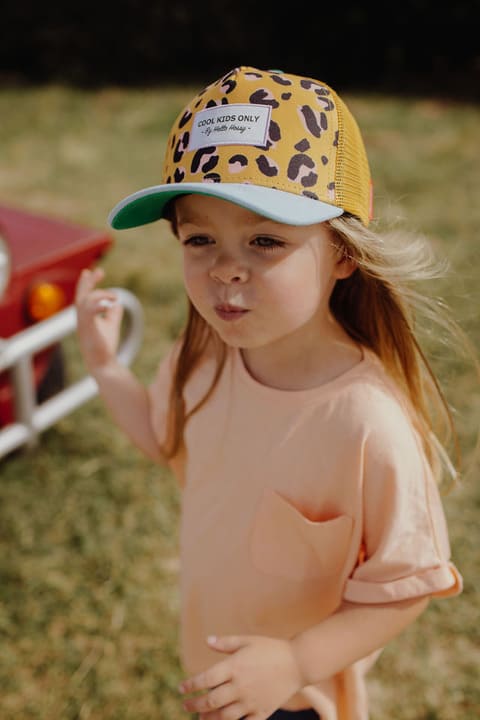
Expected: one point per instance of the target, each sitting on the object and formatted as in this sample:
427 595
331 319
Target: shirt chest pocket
285 543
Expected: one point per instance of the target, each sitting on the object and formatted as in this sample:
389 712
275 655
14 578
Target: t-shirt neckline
367 357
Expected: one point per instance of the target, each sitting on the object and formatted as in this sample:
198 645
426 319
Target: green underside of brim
142 211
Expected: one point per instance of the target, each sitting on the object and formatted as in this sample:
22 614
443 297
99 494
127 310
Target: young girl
296 409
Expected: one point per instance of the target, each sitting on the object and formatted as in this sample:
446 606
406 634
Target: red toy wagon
40 261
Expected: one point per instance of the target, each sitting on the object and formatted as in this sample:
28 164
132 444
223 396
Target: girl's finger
108 308
106 303
87 281
217 698
211 678
95 299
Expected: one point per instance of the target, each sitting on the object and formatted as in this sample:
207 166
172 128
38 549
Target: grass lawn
88 527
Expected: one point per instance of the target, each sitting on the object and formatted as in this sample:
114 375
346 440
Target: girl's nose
228 270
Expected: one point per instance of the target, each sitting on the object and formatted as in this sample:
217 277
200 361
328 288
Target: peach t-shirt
293 501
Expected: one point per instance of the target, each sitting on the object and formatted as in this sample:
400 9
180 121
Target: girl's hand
258 676
99 317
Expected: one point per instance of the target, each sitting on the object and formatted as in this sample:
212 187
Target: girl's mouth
230 312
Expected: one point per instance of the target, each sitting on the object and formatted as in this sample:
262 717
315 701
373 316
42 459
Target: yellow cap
282 145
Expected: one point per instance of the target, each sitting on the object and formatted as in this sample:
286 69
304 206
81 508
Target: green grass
88 527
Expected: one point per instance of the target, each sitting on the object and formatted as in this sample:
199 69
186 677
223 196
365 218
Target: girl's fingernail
106 304
212 639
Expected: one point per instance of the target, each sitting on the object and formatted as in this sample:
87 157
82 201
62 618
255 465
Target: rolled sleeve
442 581
405 547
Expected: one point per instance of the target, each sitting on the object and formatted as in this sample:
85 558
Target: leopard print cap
281 145
304 149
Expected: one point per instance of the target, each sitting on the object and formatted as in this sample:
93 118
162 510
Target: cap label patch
233 124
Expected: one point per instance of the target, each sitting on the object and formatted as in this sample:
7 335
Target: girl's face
257 282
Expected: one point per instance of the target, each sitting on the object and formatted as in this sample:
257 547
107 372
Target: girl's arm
260 674
127 402
351 633
98 329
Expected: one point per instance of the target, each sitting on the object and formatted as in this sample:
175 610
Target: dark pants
294 715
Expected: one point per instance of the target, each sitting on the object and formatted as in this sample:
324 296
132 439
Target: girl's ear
345 265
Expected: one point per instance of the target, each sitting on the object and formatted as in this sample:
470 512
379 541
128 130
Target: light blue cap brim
148 205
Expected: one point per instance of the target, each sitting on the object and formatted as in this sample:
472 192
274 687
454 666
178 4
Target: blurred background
88 527
413 46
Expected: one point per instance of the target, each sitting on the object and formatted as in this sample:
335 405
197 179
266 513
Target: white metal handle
16 355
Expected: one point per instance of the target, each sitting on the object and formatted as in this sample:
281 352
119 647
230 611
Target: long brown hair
377 306
196 339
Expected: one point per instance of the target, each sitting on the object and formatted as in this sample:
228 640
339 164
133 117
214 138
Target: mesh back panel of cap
352 173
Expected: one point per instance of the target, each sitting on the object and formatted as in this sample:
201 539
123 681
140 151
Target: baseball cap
283 146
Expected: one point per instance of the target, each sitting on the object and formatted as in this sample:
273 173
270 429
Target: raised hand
99 317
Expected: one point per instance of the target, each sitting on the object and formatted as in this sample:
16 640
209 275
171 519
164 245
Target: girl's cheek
188 271
194 283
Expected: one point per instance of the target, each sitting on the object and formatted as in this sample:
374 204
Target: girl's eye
267 243
197 241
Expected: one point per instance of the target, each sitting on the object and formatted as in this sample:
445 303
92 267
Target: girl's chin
232 341
240 342
233 337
